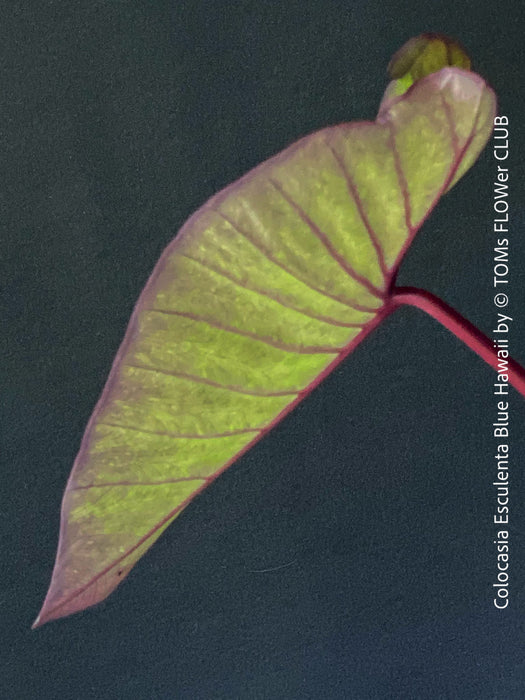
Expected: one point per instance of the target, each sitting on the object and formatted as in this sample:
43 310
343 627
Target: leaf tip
38 621
44 616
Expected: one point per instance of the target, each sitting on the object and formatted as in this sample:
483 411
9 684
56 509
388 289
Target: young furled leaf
266 288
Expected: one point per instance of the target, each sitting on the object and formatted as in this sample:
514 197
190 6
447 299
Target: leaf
423 55
267 287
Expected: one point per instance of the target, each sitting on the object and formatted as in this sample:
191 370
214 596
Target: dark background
119 119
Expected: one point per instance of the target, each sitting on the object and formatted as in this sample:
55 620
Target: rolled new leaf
266 288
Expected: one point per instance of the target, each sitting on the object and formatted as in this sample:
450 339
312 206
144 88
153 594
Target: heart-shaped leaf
265 290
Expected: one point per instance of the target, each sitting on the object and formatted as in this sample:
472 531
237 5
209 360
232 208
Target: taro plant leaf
265 289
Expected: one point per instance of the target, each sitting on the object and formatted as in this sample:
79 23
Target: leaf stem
462 329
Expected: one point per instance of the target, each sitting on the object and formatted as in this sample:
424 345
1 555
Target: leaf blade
265 289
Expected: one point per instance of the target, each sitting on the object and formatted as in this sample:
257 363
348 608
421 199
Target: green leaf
267 287
423 55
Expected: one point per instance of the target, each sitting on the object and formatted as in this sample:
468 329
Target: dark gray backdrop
117 120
